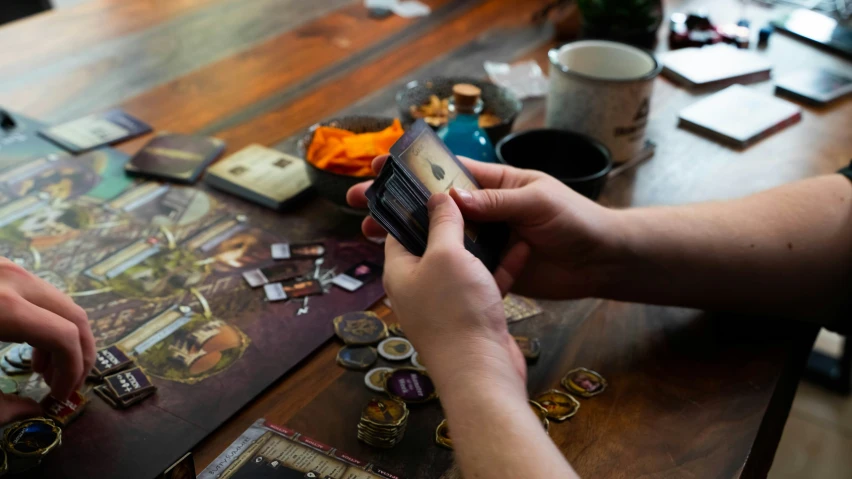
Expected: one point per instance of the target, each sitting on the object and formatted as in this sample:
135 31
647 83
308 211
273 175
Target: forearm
494 432
786 251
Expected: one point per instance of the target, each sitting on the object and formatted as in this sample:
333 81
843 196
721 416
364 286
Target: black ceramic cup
578 160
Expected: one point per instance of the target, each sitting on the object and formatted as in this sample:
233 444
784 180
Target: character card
95 130
300 289
274 292
357 276
175 157
277 272
295 251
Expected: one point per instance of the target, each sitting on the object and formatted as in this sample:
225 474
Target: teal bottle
462 133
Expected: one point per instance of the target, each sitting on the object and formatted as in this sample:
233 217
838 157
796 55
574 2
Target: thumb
516 205
446 225
15 407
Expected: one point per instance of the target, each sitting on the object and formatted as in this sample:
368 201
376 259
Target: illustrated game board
158 269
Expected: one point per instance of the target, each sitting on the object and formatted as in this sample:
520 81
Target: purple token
410 385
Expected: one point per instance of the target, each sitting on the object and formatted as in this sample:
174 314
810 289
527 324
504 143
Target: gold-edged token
410 385
385 412
442 435
396 330
541 413
357 357
530 347
395 349
375 378
361 328
559 405
584 382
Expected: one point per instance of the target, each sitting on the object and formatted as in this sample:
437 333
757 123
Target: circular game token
9 369
584 382
13 356
8 385
442 435
396 330
185 309
386 412
375 378
26 352
357 357
361 328
541 413
410 385
396 349
28 441
415 361
530 347
559 405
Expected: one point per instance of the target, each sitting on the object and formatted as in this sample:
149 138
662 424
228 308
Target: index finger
494 176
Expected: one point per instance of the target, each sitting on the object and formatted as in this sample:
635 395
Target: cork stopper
465 97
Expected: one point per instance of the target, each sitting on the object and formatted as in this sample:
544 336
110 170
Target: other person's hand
35 312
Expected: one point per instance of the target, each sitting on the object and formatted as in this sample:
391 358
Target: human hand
572 240
449 304
33 311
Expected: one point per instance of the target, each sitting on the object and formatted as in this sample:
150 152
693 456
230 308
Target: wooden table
692 394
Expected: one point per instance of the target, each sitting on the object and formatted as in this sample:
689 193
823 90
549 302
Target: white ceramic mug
602 89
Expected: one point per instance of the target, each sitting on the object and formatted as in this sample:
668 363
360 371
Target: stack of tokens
383 422
359 330
18 360
126 388
27 442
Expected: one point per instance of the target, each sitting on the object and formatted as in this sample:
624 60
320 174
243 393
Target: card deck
277 272
300 289
65 411
95 130
274 292
175 157
419 166
815 86
296 251
128 385
357 276
262 175
109 361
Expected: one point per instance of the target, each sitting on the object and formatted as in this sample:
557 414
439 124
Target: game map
158 269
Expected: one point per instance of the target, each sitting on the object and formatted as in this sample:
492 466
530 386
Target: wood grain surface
692 394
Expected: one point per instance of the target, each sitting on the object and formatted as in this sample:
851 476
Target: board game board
157 267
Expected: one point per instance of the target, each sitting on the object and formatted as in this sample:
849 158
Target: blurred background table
692 393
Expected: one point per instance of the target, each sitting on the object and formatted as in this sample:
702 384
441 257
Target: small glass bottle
462 133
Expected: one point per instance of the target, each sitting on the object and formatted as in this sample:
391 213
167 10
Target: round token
185 309
530 347
584 382
559 405
541 413
384 412
9 369
26 352
415 361
375 378
396 349
442 435
361 328
410 385
8 385
357 357
32 437
14 357
396 330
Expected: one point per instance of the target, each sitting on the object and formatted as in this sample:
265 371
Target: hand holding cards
420 165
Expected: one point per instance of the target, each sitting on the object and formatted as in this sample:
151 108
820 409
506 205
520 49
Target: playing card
274 292
419 166
95 130
277 272
300 289
357 276
295 251
815 86
175 157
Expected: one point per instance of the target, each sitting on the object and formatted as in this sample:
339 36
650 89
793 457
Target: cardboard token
541 414
442 435
530 347
559 405
375 378
396 349
8 385
357 357
584 382
361 328
410 385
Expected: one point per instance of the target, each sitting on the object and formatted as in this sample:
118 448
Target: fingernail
436 200
464 195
